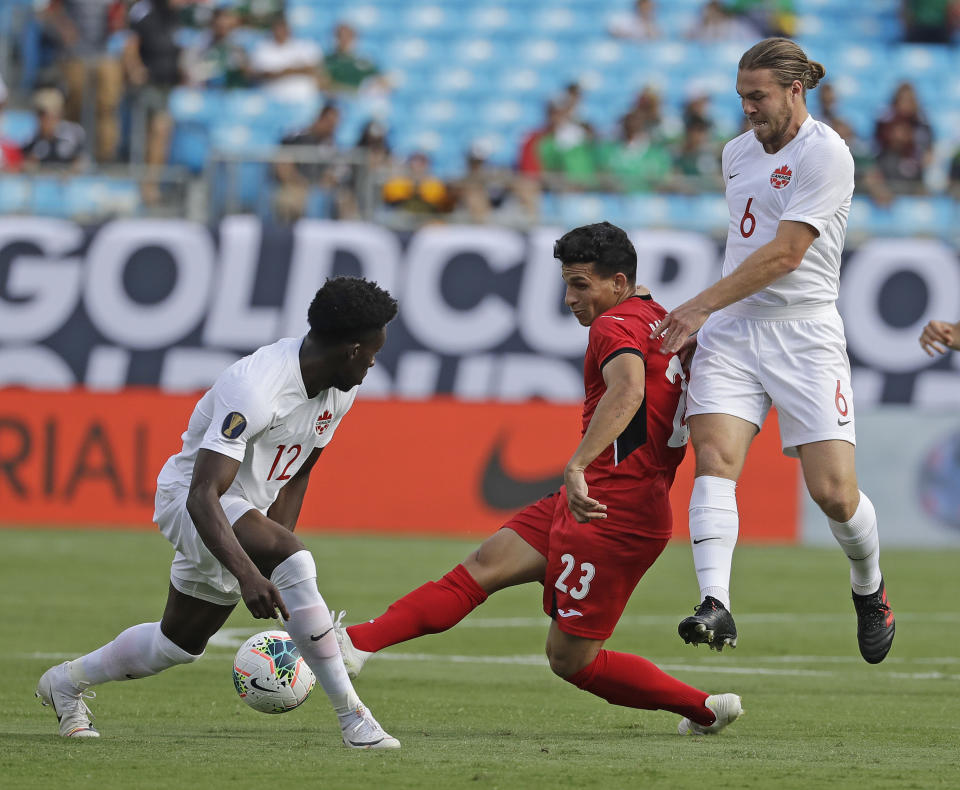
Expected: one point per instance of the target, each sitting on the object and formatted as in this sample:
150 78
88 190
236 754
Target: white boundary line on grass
713 667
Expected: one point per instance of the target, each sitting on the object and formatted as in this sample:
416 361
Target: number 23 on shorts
587 572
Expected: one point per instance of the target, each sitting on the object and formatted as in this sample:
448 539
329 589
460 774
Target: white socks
859 540
311 629
138 652
714 524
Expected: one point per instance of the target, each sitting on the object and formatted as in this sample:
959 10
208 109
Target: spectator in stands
954 174
696 158
637 162
770 17
640 24
930 21
828 104
696 109
58 144
415 189
569 151
870 179
485 190
80 29
718 23
217 61
315 179
288 68
375 158
259 14
904 141
345 69
10 156
647 110
528 158
151 59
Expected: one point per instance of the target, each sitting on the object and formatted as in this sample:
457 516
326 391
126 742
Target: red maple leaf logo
780 177
323 421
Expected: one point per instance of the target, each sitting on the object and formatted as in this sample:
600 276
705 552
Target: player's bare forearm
286 508
624 379
763 267
613 414
212 475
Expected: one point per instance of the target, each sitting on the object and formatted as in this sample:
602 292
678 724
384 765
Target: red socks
634 682
430 609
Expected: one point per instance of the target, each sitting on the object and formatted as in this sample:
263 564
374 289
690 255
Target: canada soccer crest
323 422
780 177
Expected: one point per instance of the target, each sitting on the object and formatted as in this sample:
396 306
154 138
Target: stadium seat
14 194
18 126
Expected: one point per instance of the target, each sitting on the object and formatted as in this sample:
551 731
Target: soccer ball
270 674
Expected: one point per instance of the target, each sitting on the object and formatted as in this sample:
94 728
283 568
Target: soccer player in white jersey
770 333
229 502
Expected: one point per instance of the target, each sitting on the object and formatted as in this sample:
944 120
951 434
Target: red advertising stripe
437 466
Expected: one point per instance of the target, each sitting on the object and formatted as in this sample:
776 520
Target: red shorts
592 570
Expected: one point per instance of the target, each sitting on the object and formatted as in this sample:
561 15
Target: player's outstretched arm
285 509
624 379
761 268
939 336
213 474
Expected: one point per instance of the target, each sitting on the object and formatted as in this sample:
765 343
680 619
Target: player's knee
564 662
835 498
715 460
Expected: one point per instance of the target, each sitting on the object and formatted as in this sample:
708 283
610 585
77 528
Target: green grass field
478 707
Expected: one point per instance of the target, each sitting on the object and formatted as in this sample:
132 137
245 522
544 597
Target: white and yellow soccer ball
270 674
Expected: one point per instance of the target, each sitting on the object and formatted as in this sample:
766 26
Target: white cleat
67 699
353 657
363 731
727 708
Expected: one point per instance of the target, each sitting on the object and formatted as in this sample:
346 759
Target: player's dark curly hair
347 308
606 246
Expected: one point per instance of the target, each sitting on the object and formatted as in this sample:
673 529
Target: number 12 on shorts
587 572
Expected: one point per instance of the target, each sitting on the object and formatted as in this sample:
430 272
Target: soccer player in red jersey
590 543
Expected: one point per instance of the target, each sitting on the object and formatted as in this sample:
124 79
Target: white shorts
743 365
195 571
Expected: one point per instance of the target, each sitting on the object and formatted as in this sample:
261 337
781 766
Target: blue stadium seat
14 194
18 126
101 196
48 197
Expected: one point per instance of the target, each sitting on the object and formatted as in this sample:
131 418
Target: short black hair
346 309
604 245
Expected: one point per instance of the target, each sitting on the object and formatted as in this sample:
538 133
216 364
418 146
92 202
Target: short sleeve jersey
809 180
632 476
258 413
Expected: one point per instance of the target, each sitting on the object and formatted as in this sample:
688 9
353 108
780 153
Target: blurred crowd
101 74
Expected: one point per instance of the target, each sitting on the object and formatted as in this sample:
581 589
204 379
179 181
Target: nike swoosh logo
502 491
258 687
318 638
843 422
734 175
614 317
569 613
278 425
701 540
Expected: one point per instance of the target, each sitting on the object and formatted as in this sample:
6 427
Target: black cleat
712 624
875 625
